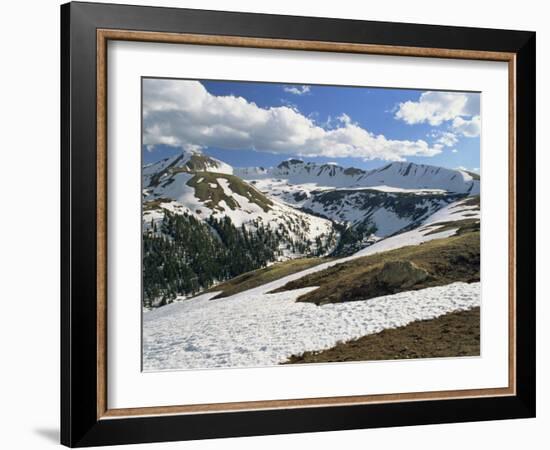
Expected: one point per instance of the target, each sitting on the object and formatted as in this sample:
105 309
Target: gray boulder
401 274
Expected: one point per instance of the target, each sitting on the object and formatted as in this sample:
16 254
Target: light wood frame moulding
105 35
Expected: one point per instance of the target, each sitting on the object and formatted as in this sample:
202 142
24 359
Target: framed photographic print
277 224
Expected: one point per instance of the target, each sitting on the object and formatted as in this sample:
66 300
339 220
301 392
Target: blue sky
261 124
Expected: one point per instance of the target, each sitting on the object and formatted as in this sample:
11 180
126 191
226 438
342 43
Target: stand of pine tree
183 255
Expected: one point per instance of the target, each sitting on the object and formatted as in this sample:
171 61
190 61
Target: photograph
290 223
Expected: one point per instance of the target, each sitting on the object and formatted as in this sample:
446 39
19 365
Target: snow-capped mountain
295 175
306 201
387 212
205 221
366 205
158 172
204 187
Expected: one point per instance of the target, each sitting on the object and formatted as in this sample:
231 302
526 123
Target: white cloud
297 90
446 138
345 119
454 150
438 107
467 127
289 104
328 123
183 113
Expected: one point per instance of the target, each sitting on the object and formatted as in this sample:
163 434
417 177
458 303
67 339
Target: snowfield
454 212
257 329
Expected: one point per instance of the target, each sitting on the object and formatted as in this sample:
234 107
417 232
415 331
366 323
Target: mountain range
251 217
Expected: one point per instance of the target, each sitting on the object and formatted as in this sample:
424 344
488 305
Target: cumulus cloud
436 108
288 103
297 90
447 138
467 127
345 119
183 113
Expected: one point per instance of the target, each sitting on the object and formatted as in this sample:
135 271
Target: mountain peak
289 163
198 162
411 175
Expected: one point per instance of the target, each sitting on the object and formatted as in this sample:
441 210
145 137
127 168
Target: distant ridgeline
205 222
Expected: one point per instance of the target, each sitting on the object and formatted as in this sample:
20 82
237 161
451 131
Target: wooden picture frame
86 418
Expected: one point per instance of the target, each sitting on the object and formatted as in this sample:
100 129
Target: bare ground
451 335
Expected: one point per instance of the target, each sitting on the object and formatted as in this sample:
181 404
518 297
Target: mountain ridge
380 201
404 175
290 211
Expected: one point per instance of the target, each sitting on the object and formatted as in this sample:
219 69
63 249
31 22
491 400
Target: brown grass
462 226
155 204
471 201
212 196
446 260
450 335
259 277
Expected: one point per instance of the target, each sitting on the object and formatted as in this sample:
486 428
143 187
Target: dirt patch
451 335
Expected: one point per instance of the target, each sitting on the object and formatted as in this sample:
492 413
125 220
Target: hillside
201 227
435 263
364 205
253 217
253 324
254 330
450 335
263 276
192 183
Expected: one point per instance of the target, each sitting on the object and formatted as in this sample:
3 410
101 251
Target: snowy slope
205 188
255 329
380 202
421 176
158 167
456 211
386 212
428 230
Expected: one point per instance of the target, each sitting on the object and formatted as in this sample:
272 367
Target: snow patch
254 329
224 183
388 222
454 212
